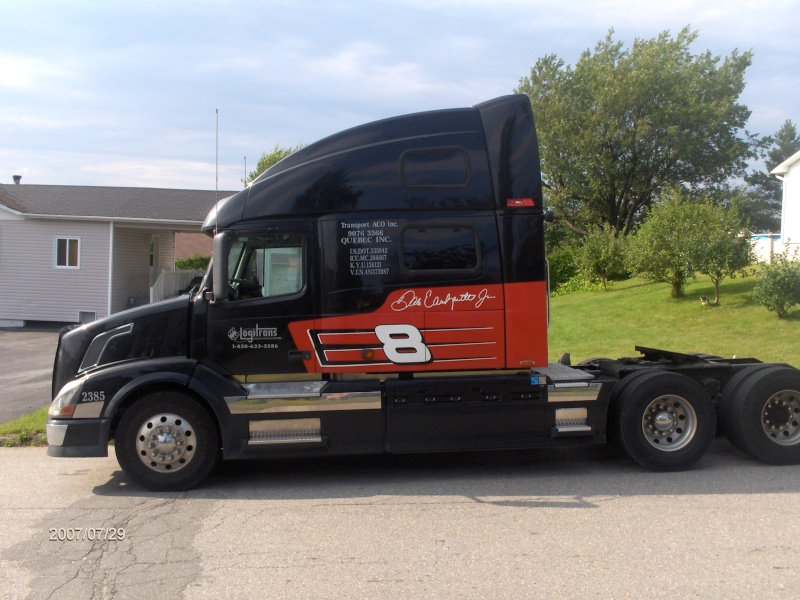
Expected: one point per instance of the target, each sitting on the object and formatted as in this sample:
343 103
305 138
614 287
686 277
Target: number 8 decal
403 343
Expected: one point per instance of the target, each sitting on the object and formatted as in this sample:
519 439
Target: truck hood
153 331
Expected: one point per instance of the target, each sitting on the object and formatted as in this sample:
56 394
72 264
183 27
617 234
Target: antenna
216 167
245 171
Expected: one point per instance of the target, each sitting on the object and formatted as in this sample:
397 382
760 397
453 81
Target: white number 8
403 344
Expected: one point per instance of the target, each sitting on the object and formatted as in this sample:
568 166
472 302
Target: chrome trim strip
573 429
299 396
571 417
285 431
573 392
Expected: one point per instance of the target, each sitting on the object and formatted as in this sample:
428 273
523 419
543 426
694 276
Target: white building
789 172
76 253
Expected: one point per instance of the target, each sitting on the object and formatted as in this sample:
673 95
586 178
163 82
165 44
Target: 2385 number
93 396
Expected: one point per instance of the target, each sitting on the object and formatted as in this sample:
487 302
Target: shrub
601 256
562 266
196 261
778 287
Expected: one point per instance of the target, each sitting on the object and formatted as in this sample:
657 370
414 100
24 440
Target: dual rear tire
760 409
666 421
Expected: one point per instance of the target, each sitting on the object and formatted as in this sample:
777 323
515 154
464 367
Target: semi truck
385 290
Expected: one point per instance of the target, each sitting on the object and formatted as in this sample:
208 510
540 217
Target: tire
167 441
728 394
614 434
665 420
764 416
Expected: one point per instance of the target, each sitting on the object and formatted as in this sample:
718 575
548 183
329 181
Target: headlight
63 405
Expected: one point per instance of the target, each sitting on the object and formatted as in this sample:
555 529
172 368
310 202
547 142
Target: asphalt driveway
26 368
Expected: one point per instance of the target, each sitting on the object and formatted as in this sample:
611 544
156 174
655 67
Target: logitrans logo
249 335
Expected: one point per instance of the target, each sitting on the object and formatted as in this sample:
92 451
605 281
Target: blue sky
125 93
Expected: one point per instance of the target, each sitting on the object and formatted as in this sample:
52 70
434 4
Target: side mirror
219 266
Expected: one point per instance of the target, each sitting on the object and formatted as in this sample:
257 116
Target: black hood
153 331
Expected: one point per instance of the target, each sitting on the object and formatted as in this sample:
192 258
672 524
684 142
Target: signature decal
432 300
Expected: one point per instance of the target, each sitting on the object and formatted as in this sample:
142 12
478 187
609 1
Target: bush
578 283
601 256
562 266
778 287
196 261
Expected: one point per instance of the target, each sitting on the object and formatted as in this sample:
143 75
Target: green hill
636 313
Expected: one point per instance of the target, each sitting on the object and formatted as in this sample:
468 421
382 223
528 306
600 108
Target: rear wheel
665 421
729 393
764 416
166 441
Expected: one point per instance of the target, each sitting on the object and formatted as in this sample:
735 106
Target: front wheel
764 416
166 441
665 421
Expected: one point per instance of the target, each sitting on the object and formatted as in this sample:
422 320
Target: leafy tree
624 124
761 199
722 247
661 250
268 159
778 287
602 255
683 234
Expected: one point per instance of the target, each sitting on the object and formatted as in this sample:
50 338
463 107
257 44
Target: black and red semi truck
385 290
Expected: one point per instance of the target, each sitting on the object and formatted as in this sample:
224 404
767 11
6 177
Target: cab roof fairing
319 177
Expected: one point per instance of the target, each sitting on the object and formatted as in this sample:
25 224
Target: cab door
270 285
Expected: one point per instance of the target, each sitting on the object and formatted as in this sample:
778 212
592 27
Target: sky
133 93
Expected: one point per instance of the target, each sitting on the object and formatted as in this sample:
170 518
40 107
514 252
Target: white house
76 253
789 172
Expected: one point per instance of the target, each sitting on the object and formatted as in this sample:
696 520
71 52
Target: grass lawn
636 313
28 430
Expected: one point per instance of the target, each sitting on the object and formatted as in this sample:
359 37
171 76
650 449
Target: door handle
299 355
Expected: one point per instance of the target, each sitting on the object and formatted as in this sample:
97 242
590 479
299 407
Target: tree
722 247
624 124
661 250
268 159
601 255
762 198
683 234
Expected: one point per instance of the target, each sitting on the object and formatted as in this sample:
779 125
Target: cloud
27 73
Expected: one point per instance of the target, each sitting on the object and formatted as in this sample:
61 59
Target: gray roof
109 203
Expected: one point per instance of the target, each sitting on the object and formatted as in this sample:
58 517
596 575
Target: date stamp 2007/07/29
86 534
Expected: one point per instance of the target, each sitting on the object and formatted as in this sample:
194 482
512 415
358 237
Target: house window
68 252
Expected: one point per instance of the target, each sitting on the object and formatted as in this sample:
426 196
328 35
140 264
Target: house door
155 258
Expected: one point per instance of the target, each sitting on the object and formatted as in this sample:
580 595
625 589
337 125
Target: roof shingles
110 202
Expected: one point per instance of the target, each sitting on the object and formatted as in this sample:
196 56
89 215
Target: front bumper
77 437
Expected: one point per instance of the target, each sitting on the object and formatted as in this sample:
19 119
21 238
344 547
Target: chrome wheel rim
165 443
669 423
780 417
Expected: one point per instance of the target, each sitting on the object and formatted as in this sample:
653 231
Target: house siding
131 277
790 221
34 289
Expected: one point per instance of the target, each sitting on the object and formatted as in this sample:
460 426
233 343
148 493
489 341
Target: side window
440 248
264 266
67 253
